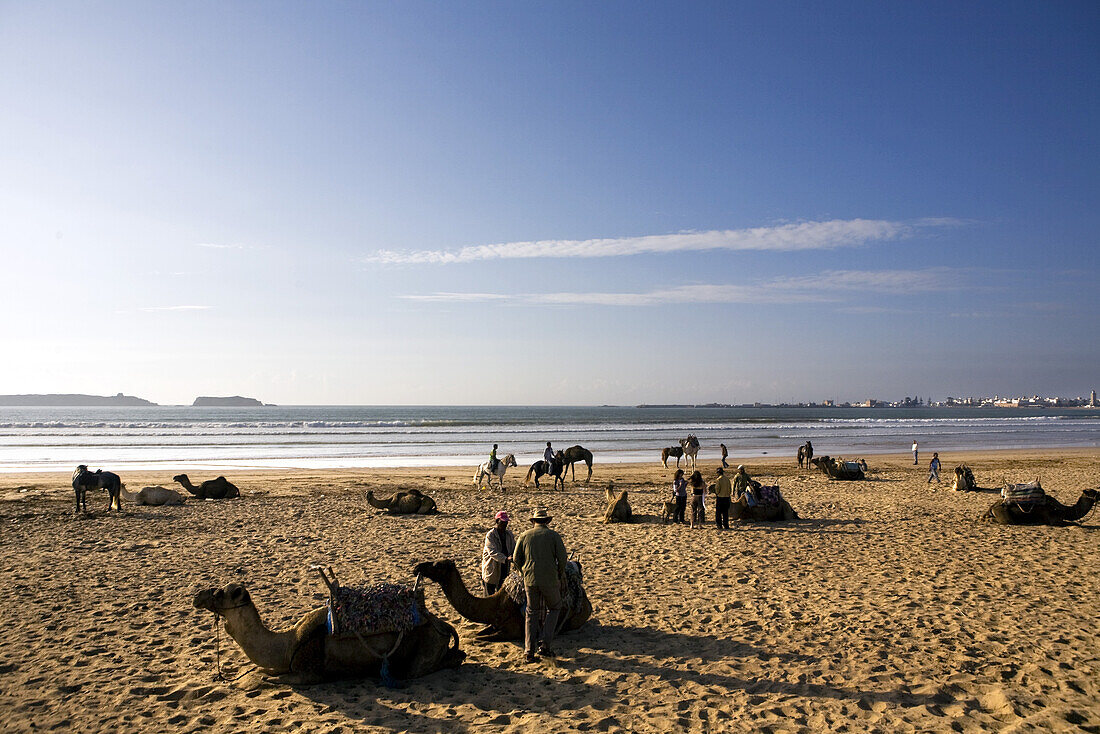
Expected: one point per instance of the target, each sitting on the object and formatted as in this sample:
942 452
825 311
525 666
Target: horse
676 451
483 472
690 446
83 480
571 456
554 468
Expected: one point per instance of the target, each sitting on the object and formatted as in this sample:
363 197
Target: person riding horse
493 462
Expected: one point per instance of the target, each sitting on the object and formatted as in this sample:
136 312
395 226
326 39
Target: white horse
690 446
483 472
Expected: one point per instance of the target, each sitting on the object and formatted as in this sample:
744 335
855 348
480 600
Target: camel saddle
1023 494
375 609
574 587
766 495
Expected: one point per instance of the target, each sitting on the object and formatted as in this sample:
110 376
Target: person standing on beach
722 492
934 468
496 555
698 499
725 454
680 495
540 557
915 452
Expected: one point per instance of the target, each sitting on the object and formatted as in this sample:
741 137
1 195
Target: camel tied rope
218 675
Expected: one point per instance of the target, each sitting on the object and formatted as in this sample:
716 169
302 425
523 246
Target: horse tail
529 473
664 457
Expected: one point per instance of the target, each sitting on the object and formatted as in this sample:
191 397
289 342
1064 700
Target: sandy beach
887 607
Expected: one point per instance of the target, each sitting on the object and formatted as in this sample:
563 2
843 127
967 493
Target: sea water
54 439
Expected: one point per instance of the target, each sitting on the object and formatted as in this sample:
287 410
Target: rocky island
234 401
66 400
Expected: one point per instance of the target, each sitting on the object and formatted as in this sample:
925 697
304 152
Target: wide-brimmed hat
502 515
541 515
721 470
740 467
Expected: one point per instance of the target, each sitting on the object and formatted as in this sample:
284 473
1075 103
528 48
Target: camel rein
218 648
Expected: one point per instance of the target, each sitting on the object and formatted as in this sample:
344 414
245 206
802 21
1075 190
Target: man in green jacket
540 558
723 490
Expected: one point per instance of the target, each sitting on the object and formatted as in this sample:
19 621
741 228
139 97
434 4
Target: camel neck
483 609
267 649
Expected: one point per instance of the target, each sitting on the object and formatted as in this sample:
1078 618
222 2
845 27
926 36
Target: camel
482 474
571 456
153 496
843 470
212 489
83 480
618 509
1045 510
411 502
770 507
307 652
964 479
503 615
555 468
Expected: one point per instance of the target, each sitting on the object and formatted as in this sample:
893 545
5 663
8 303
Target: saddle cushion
1023 494
769 495
574 587
375 609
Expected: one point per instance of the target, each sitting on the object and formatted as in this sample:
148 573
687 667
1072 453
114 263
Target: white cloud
786 238
175 308
825 287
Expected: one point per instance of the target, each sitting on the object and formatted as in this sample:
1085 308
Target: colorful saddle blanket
374 609
1023 494
574 587
768 495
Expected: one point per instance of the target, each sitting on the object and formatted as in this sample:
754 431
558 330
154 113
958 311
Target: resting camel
618 509
212 489
964 479
500 612
83 480
762 511
844 470
153 496
411 502
306 652
1046 511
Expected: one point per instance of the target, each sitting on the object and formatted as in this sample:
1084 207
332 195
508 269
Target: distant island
235 401
71 400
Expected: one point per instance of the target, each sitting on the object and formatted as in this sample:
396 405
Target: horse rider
548 455
493 460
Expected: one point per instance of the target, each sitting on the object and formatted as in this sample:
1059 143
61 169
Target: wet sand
888 607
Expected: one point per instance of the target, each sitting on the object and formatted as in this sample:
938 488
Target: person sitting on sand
698 499
496 555
680 496
742 486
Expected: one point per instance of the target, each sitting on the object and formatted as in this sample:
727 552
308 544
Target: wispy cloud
175 308
794 237
830 286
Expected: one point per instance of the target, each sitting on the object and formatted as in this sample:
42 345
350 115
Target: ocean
180 437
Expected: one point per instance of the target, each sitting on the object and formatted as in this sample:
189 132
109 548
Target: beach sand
888 607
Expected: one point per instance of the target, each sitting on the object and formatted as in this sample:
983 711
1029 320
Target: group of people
725 492
494 462
539 555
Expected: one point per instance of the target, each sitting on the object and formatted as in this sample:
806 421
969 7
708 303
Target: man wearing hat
742 486
540 557
496 555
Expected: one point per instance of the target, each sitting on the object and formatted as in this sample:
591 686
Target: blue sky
569 203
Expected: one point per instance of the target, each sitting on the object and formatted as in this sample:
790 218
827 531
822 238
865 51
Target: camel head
180 478
435 570
218 601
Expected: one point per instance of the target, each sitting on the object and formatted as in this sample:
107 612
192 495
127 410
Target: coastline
887 607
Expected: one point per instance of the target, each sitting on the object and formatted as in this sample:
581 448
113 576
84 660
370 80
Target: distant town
996 401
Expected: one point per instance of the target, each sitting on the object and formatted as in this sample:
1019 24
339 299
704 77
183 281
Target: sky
563 203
